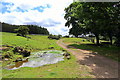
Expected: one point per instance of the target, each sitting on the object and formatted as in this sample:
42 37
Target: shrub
57 37
66 36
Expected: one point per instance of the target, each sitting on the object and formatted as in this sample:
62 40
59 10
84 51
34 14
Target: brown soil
3 48
102 67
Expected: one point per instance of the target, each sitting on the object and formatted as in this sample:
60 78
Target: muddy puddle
39 59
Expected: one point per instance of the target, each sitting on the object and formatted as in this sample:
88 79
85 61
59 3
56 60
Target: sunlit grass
37 42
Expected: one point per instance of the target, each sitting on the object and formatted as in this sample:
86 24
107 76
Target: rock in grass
23 52
67 55
18 59
51 48
6 59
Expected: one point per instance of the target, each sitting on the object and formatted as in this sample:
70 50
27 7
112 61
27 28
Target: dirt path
101 67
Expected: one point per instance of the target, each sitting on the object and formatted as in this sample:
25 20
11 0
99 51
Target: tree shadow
108 51
102 67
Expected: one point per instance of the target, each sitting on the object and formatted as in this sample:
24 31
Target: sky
45 13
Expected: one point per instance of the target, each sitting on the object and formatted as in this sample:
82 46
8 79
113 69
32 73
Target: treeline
33 29
99 18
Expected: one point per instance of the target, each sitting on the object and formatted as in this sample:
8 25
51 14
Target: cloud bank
45 13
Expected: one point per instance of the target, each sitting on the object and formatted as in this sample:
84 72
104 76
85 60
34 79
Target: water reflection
39 59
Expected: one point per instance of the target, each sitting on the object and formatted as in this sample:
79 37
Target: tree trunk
110 39
97 39
117 42
76 36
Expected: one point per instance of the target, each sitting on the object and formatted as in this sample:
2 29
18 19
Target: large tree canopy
101 18
22 31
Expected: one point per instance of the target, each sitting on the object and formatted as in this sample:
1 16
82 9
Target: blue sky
45 13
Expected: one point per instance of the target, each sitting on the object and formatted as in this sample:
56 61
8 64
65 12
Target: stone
68 57
6 56
23 52
18 59
66 54
6 59
51 48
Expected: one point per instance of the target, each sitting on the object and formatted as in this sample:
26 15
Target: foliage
22 31
57 37
33 29
66 36
99 18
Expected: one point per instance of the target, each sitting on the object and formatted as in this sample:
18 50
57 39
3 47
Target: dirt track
101 67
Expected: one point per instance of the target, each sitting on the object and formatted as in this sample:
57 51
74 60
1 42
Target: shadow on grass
102 67
105 50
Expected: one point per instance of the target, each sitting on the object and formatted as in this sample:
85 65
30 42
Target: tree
22 31
72 19
33 29
82 12
97 18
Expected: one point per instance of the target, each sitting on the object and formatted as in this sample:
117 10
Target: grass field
105 50
63 69
36 42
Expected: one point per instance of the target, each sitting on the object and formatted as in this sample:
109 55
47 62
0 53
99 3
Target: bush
66 36
57 37
117 43
104 38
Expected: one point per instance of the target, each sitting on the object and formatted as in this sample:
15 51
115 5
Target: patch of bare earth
100 66
3 48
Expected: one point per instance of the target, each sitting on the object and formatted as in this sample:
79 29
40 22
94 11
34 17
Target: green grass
63 69
105 50
59 70
36 42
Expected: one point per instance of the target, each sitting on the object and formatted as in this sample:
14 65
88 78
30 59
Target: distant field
105 50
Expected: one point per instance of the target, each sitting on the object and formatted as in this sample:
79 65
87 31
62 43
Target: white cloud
48 16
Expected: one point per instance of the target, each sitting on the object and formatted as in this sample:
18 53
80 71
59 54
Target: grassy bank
36 42
105 50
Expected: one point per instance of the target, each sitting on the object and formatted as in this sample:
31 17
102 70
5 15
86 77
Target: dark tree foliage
33 29
8 28
22 31
101 18
57 37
